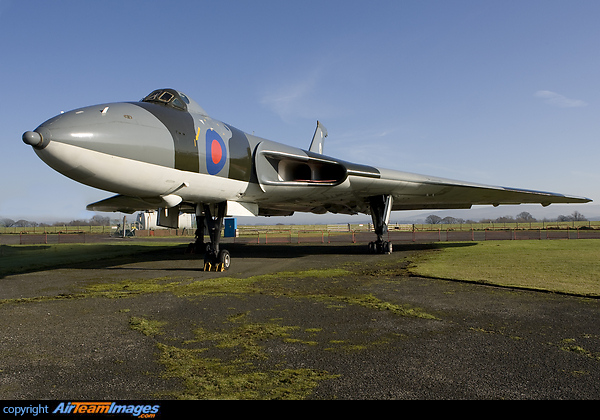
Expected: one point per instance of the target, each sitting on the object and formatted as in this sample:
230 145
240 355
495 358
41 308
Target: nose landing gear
219 261
215 259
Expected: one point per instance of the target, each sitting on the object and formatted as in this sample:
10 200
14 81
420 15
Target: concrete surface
61 342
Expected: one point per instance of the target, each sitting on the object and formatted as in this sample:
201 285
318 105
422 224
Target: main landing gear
215 259
381 207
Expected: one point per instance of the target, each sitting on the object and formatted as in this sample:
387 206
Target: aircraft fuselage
149 149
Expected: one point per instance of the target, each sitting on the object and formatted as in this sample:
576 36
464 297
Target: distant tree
432 219
525 217
578 217
78 223
505 219
6 222
98 220
24 223
451 220
573 217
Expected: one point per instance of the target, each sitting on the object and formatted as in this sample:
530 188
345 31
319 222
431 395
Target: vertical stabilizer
318 140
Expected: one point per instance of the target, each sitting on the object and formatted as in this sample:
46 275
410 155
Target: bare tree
525 217
6 222
505 219
98 220
452 220
432 219
574 217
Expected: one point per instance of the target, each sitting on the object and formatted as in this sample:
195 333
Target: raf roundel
216 152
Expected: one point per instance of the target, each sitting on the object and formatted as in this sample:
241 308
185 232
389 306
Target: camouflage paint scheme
165 151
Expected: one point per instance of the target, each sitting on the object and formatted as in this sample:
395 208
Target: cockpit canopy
174 99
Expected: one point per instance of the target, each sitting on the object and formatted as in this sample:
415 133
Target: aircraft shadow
249 251
238 251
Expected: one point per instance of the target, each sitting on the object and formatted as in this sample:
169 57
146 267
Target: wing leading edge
418 192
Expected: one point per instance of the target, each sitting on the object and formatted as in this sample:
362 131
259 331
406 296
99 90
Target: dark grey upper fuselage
208 161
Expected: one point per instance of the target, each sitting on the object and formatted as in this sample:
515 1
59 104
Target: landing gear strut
381 207
215 259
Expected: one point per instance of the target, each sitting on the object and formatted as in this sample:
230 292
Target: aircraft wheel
384 247
387 247
225 259
372 249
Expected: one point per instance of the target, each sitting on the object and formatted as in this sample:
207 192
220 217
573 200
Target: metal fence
324 236
52 238
440 235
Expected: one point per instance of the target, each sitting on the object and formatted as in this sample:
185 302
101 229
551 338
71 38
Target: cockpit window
167 97
185 98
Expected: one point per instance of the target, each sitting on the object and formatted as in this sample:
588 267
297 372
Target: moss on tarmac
287 322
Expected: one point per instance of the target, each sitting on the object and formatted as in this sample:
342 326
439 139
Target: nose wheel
215 259
219 261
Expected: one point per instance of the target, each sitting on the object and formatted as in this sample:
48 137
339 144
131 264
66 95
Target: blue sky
498 92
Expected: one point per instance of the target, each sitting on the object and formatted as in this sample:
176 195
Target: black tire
387 247
224 258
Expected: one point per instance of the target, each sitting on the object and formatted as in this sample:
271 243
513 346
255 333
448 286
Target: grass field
558 266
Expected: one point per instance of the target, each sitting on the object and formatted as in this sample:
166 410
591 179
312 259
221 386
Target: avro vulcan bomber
166 153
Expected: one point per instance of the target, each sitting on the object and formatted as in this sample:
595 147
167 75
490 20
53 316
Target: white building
148 220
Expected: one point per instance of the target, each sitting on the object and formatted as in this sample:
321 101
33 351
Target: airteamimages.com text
68 408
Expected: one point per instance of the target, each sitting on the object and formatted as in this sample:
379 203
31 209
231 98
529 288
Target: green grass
212 378
564 266
146 326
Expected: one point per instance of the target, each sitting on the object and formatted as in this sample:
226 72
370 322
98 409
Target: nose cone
33 139
118 129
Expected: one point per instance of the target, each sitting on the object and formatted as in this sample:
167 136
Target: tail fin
318 140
